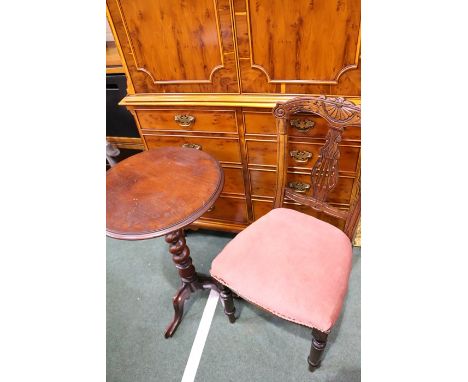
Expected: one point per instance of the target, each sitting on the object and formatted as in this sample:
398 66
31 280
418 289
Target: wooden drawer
228 209
233 181
259 123
349 155
261 152
223 149
204 120
264 153
261 208
264 123
263 184
320 128
340 194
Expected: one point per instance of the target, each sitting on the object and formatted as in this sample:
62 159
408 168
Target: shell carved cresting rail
337 111
324 174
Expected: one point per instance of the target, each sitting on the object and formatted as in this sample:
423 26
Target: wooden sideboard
207 73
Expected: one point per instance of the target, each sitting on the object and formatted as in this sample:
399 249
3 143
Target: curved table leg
191 280
178 301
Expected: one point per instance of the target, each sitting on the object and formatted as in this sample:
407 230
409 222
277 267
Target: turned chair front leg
228 303
319 341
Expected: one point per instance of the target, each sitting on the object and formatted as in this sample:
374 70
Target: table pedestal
191 280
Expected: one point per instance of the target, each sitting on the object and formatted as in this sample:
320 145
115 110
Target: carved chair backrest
340 114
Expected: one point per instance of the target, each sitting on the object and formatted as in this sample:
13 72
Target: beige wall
109 36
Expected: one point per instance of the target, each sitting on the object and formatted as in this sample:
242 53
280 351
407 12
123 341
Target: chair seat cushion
291 264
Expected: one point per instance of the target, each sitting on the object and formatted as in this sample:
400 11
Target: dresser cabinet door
301 46
176 46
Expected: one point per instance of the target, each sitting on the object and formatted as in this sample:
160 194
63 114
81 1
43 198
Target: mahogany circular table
159 192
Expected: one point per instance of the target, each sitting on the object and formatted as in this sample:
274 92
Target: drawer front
263 184
188 120
261 152
261 208
259 123
264 153
304 155
263 123
229 210
318 128
340 194
223 149
233 181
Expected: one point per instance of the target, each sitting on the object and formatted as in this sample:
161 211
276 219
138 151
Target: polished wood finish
349 156
228 303
271 52
264 123
222 148
145 190
341 193
126 142
319 341
324 176
233 181
252 102
241 58
336 51
263 184
159 192
261 152
256 46
191 280
177 46
229 209
203 120
304 47
259 122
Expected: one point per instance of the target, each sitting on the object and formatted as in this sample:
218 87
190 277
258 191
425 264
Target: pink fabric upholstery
290 264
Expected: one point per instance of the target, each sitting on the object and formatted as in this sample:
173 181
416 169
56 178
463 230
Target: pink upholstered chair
289 263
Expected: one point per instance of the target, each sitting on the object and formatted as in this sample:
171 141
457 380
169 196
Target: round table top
159 191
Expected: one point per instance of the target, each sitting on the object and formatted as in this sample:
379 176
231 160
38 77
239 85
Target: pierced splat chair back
340 114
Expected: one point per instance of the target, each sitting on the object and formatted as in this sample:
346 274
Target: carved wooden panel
302 46
179 46
337 111
324 176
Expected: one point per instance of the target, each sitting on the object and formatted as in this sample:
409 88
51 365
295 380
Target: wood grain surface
159 191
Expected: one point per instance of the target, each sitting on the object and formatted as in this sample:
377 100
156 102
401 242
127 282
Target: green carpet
141 281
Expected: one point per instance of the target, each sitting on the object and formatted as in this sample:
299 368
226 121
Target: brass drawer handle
184 120
300 156
192 146
299 186
302 124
